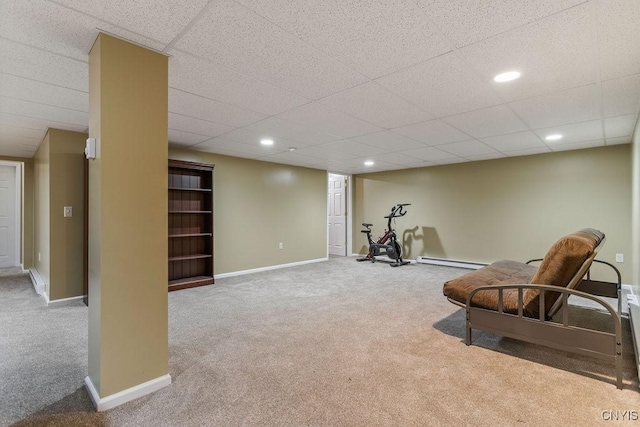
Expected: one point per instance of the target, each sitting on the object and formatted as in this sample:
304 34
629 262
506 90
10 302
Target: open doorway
338 215
10 214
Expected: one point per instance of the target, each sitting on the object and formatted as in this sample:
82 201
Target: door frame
349 200
19 202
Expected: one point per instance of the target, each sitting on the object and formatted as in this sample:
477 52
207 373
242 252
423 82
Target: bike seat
364 224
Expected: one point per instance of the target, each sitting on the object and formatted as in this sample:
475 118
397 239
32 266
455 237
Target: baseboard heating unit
450 262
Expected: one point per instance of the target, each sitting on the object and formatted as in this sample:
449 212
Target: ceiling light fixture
369 163
266 141
506 77
293 148
553 137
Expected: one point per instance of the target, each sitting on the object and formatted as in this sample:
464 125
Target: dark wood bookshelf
190 224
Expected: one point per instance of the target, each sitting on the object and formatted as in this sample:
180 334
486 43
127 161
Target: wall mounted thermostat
90 148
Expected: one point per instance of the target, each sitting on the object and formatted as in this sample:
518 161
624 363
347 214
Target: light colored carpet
332 343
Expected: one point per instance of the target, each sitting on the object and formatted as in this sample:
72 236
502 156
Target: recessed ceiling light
266 141
553 137
506 77
369 163
293 148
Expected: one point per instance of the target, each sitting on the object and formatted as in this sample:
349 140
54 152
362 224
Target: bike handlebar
397 211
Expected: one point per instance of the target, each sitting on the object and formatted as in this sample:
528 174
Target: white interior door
337 215
8 216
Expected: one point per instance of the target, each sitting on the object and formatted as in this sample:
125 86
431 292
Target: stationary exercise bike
388 244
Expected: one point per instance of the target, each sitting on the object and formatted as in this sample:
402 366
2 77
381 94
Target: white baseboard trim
40 287
271 267
38 284
450 262
124 396
55 302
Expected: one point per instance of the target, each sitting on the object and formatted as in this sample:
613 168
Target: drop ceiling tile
58 29
193 125
239 39
343 150
514 141
468 148
194 75
375 104
618 37
619 126
292 158
378 166
329 120
186 138
225 146
389 141
552 54
35 64
398 159
43 93
498 120
528 151
275 127
35 123
577 145
619 140
432 132
621 96
21 132
573 133
490 156
442 86
568 106
375 39
21 142
16 151
253 138
467 22
202 108
161 20
450 161
44 112
431 154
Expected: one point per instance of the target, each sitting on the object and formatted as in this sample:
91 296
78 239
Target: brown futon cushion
558 267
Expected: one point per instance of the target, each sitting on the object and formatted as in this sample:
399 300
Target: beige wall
59 182
259 204
512 208
128 268
67 234
42 172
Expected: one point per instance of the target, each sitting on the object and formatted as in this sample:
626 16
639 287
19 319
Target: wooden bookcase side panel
190 237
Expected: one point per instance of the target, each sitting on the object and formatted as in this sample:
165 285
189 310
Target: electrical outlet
619 257
68 211
280 245
39 259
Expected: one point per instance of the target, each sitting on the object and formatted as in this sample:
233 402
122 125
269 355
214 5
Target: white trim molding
271 267
40 287
124 396
56 302
450 262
